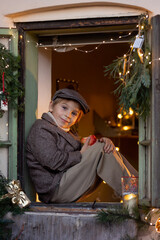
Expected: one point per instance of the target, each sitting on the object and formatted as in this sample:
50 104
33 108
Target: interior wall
88 70
44 80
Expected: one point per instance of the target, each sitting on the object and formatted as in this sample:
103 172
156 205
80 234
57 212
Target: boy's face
66 113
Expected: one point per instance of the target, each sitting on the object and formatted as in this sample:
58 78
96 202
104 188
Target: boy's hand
109 146
92 140
85 145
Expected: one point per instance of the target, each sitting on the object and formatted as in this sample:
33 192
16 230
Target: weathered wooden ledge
86 207
74 221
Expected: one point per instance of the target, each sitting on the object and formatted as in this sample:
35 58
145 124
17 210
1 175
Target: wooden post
20 157
155 171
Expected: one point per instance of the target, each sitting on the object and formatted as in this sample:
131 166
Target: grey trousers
78 179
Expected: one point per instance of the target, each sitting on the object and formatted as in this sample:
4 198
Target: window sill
70 208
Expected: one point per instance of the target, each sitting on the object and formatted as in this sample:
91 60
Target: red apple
92 140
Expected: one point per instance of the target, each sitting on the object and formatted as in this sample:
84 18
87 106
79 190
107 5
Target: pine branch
9 65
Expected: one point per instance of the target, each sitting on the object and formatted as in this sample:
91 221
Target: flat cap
71 94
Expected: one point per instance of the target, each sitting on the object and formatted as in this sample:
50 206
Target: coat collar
67 135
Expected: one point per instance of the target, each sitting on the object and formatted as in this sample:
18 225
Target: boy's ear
51 106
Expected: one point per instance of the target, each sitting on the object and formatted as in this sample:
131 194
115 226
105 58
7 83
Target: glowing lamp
130 193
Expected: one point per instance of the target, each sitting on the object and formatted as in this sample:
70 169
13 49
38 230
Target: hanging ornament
138 42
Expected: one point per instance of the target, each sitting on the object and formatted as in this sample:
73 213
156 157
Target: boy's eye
74 113
64 107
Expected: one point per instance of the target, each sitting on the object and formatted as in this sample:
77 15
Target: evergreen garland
9 65
6 206
142 215
132 75
117 215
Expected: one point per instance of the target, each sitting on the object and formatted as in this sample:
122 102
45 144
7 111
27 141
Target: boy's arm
45 150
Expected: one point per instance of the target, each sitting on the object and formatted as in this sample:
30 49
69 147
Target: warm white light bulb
119 116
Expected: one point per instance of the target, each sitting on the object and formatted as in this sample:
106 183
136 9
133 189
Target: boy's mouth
65 121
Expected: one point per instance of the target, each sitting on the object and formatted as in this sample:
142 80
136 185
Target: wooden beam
78 23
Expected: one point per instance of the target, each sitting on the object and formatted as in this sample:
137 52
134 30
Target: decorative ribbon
140 54
124 66
15 192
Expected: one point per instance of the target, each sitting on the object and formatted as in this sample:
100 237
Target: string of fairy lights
55 48
150 215
139 28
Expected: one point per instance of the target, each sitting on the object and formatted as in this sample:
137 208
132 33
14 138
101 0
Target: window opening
86 68
112 28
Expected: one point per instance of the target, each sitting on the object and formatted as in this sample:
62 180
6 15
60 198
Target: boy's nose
68 114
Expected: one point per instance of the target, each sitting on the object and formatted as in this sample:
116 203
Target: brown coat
50 152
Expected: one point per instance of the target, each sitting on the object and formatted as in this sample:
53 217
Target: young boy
61 169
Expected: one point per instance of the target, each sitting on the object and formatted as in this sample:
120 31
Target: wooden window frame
146 159
11 144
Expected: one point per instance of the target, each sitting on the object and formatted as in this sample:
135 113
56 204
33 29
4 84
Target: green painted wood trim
141 167
142 161
12 169
155 167
13 120
5 144
31 98
145 158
